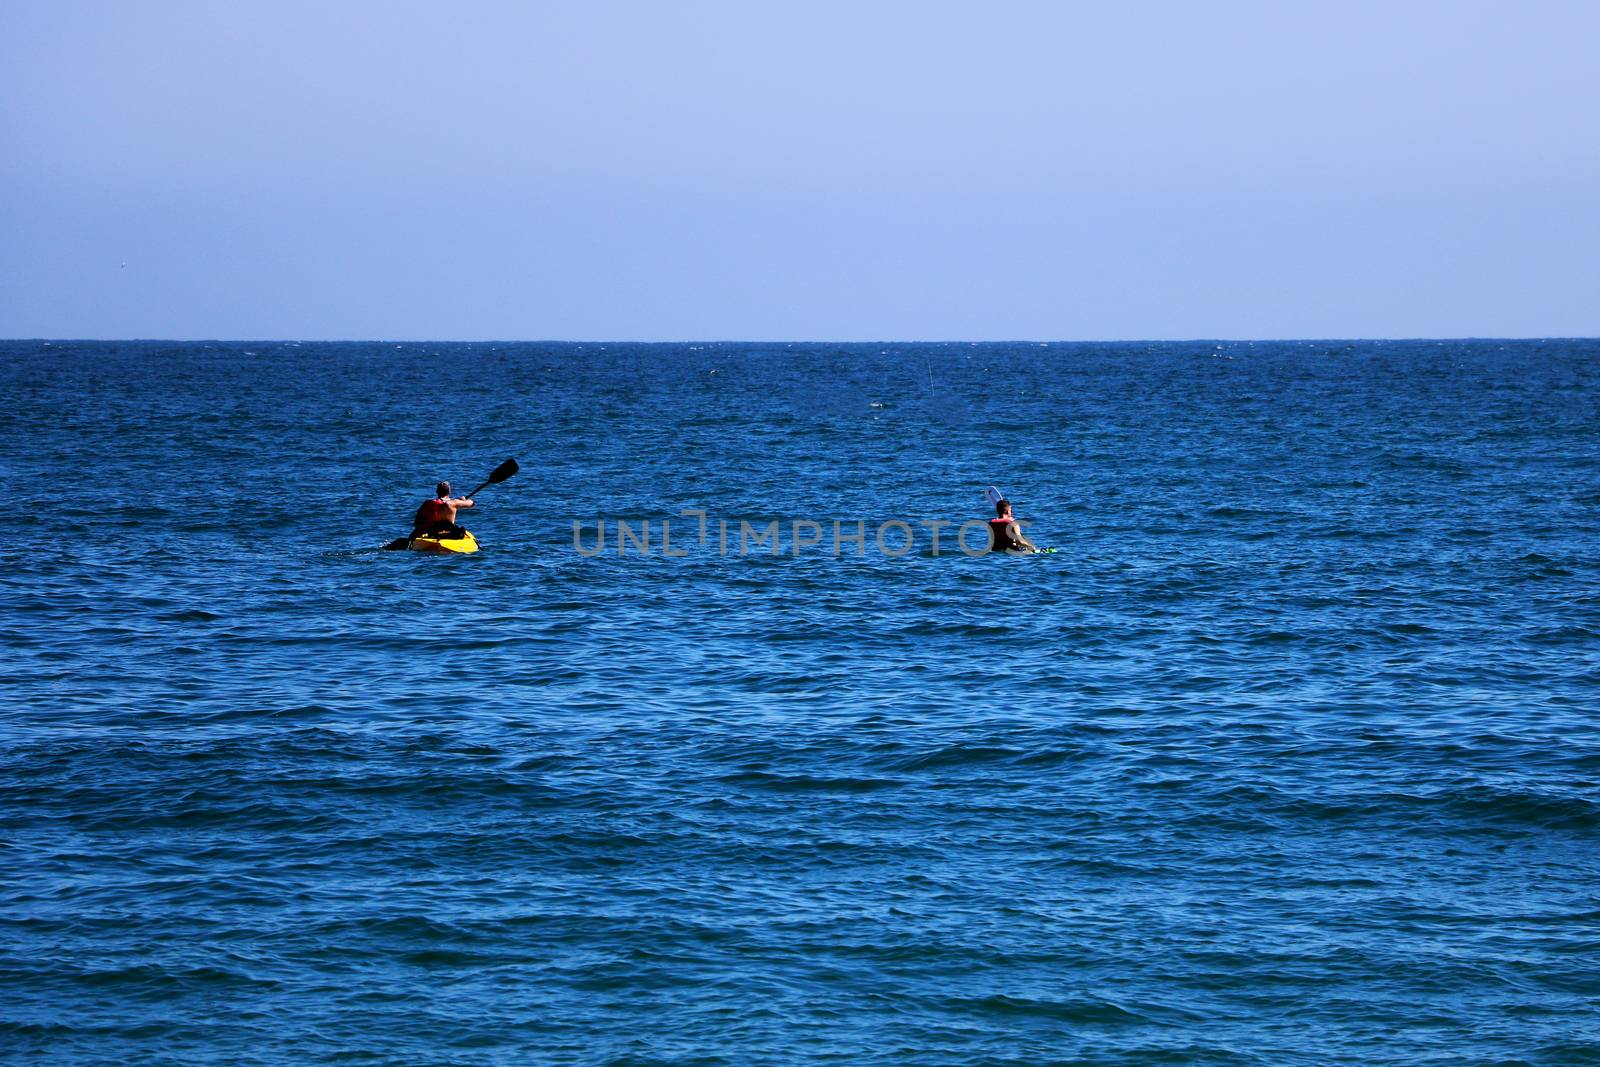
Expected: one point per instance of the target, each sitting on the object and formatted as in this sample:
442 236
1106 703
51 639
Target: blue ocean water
1289 754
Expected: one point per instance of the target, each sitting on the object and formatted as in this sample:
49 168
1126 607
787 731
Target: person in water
438 516
1005 533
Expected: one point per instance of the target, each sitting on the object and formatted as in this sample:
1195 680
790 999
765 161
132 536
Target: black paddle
496 476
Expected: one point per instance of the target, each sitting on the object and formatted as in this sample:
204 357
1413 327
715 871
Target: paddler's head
443 489
1002 509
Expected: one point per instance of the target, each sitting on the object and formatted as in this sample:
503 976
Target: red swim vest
999 539
432 512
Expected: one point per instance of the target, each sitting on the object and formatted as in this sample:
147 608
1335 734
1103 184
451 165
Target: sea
1288 753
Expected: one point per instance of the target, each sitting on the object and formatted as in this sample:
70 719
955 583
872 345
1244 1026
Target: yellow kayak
445 544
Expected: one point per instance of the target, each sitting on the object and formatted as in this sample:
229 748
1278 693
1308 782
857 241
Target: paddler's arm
461 502
1016 531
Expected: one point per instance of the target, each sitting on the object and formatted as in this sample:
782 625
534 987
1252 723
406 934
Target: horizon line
785 341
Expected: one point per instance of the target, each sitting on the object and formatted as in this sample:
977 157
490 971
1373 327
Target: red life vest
432 513
1000 539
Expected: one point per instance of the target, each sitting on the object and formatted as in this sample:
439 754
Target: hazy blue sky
810 170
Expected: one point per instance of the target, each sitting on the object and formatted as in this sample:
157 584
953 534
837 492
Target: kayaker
1005 534
438 516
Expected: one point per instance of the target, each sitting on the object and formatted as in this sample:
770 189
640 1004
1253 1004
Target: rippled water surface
1288 755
